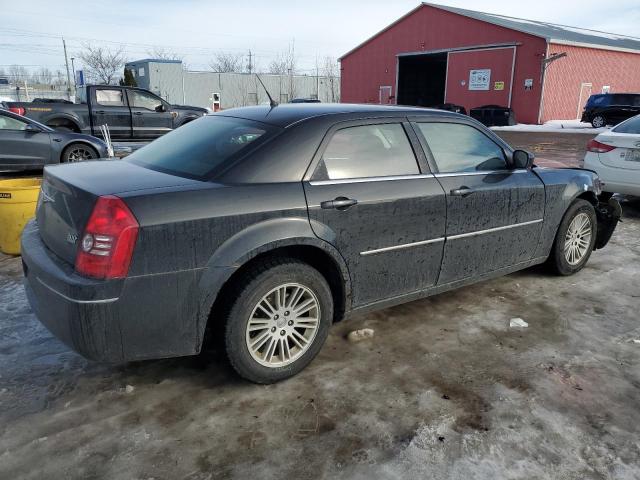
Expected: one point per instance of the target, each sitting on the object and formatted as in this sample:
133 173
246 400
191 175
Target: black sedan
26 144
265 225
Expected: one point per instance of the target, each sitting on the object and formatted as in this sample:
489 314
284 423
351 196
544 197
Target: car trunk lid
69 193
625 155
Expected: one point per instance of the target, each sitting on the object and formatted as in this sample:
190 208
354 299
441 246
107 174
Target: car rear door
19 147
370 194
494 214
109 107
151 116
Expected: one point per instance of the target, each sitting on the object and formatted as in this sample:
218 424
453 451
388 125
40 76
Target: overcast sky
196 29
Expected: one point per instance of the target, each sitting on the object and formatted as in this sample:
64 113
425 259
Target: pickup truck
131 113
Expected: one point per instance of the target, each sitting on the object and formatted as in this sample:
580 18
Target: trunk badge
72 238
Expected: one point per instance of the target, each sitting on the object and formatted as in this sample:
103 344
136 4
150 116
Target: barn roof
552 32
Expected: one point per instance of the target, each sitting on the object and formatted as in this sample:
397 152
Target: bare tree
163 54
330 70
227 62
103 63
43 76
285 62
18 74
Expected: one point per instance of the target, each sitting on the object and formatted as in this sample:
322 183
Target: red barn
437 54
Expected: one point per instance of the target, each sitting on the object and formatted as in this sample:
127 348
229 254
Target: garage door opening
422 79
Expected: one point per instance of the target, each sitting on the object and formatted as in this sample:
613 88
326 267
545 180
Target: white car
615 156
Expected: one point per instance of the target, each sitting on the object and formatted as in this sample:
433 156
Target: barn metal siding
373 64
619 70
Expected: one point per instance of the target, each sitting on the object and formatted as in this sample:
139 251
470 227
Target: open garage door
421 79
480 77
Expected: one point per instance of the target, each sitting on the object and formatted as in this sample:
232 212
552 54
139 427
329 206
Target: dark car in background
610 108
26 144
131 113
494 115
264 225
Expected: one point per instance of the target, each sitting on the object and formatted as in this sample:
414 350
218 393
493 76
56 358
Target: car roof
290 113
9 113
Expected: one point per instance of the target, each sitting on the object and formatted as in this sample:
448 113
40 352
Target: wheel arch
63 120
273 238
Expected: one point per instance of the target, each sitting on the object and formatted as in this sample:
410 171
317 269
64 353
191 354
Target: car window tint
599 100
196 149
110 98
143 100
8 123
462 148
629 126
368 151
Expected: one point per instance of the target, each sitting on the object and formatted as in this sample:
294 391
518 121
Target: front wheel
575 239
598 121
78 152
281 313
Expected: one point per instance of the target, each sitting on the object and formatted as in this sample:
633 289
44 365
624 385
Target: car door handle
99 112
340 203
137 113
462 191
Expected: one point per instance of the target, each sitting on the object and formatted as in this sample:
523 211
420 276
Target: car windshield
203 146
629 126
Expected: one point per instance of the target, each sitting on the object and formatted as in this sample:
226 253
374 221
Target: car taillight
107 244
18 110
597 147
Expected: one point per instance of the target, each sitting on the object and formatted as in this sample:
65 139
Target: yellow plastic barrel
18 198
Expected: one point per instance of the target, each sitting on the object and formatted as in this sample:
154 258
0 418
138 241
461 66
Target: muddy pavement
444 389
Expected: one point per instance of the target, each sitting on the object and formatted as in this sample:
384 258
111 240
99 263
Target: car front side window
8 123
367 151
143 100
462 148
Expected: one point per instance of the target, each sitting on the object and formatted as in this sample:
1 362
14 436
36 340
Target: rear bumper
616 180
110 321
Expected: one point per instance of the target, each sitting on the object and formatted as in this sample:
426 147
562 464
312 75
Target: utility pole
250 65
66 61
73 71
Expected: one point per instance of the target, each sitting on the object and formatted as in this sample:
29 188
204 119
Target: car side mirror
522 159
31 128
161 108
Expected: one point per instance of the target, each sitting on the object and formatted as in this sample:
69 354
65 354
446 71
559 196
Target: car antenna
272 102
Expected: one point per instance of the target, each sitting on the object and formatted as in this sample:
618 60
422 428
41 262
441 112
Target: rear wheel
279 320
78 152
575 239
598 121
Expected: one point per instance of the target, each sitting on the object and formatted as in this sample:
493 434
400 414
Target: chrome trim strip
488 172
400 247
106 300
370 179
491 230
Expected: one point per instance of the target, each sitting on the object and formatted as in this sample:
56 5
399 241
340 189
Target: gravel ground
444 389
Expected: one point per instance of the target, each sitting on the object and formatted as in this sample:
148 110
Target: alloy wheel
78 154
283 325
578 239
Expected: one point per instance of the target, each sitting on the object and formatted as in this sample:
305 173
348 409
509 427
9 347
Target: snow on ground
556 126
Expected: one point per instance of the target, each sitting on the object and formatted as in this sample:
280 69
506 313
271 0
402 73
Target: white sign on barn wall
479 79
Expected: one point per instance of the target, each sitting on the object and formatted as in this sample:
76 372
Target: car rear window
629 126
203 146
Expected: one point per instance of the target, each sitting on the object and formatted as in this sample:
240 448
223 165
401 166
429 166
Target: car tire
266 348
78 152
575 239
598 121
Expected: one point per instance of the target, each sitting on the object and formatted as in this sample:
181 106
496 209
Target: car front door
494 213
22 145
372 198
151 116
109 107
